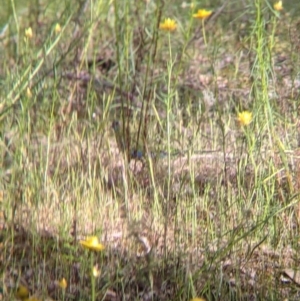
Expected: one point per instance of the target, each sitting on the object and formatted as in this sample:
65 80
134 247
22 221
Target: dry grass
218 218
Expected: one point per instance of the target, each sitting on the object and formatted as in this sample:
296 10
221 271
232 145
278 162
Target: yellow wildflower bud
28 92
28 33
278 6
96 272
63 283
57 28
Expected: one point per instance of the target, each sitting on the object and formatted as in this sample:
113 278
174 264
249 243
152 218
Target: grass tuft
163 134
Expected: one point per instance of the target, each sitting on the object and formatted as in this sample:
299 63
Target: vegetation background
113 126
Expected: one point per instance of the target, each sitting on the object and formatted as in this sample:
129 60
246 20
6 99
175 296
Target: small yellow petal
197 299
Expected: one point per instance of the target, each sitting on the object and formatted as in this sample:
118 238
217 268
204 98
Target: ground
189 200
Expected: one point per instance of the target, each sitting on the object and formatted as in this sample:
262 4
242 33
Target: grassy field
175 142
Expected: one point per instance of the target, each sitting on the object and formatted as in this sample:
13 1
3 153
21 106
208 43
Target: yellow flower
244 118
278 6
168 25
92 243
197 299
28 33
202 14
22 292
63 283
57 28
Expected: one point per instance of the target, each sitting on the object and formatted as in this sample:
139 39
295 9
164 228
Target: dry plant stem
169 133
124 122
61 169
29 74
147 94
203 32
262 52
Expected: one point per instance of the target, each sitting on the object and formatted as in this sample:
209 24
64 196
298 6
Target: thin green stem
169 132
92 276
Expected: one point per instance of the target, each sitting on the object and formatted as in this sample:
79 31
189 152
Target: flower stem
92 276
